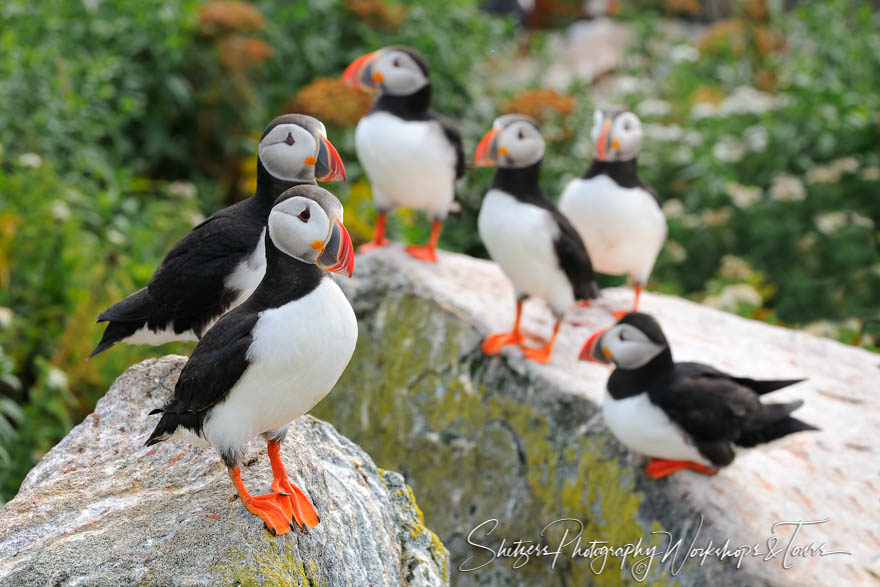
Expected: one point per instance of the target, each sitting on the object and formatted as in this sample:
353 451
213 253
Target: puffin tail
774 421
124 319
170 422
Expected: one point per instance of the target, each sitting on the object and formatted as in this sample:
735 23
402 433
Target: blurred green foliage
123 123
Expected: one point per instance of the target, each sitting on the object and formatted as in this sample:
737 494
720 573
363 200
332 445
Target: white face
299 226
289 152
398 73
624 138
520 144
629 347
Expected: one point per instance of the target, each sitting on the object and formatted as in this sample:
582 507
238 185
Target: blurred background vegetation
122 124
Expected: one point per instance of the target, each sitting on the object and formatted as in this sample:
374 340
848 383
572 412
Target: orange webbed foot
538 355
659 468
304 513
274 509
493 344
584 303
423 252
372 245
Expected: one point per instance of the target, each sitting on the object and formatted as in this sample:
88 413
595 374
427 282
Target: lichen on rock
481 438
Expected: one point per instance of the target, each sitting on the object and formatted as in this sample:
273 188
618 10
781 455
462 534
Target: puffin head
395 70
617 134
631 343
294 147
306 224
514 141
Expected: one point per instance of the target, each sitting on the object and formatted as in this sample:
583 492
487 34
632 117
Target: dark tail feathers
772 423
766 385
125 317
115 332
169 423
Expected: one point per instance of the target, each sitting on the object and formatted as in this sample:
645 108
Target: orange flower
377 14
331 101
239 53
540 104
686 7
228 16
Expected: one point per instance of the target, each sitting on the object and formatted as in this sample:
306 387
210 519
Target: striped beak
337 255
593 350
486 154
328 164
359 73
603 145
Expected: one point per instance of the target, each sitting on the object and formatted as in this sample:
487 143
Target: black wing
191 278
574 259
759 386
215 366
716 410
454 138
217 363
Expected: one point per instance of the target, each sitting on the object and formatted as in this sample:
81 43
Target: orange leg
658 468
379 239
427 252
620 314
584 303
303 511
274 508
494 343
542 355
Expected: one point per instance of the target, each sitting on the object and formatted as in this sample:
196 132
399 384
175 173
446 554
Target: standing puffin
684 415
222 260
536 247
411 155
615 212
271 359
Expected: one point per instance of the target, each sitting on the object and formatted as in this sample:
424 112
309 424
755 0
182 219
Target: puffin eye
396 62
520 135
305 215
289 140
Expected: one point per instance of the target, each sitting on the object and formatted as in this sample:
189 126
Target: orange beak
486 154
359 73
338 254
603 145
592 349
328 166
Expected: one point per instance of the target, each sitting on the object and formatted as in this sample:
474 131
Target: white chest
520 238
249 273
623 228
644 428
298 353
409 163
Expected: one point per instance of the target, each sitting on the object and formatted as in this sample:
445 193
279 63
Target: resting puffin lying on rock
614 211
222 260
684 415
536 247
271 359
411 155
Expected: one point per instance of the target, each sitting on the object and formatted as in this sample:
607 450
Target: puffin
411 155
616 213
272 358
220 262
538 249
682 415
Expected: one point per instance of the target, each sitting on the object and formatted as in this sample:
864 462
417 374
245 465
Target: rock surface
482 438
101 508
